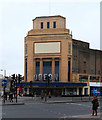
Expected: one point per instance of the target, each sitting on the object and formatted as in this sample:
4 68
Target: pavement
23 100
99 116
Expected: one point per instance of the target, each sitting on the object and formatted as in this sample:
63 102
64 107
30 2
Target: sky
82 18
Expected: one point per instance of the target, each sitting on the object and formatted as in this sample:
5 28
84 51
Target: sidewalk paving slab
4 104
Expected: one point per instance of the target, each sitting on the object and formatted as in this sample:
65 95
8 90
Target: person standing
11 97
95 106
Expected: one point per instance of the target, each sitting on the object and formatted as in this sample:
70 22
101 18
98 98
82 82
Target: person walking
11 97
95 105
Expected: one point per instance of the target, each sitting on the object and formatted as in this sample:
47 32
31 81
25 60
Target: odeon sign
38 77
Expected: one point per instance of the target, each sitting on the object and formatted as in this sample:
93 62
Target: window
48 25
41 25
69 48
84 71
37 67
26 69
54 24
75 58
47 67
69 72
56 71
83 78
26 49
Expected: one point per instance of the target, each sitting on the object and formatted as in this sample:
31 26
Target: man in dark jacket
95 106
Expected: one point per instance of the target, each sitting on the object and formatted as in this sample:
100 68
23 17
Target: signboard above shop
38 77
95 84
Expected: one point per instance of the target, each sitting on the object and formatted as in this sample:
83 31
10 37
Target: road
34 108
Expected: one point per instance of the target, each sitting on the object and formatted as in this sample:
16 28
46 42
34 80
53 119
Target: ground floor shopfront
56 89
95 88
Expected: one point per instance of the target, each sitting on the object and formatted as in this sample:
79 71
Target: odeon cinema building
50 50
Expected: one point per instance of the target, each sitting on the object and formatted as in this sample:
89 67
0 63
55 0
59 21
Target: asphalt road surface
36 109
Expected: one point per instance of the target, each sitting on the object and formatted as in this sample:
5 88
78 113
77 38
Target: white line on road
80 104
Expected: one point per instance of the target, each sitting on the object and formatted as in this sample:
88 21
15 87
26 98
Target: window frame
54 24
42 25
48 25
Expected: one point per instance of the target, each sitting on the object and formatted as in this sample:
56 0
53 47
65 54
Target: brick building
70 64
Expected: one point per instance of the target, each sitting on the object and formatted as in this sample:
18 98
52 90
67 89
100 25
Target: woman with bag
95 106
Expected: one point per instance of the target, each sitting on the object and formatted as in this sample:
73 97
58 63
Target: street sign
4 82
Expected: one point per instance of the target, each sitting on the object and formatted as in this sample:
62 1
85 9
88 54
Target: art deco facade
51 50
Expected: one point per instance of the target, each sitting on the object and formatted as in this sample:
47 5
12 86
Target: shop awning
54 84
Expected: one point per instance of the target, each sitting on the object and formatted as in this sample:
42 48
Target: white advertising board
97 84
47 47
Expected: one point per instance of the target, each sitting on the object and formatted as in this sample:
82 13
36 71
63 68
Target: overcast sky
82 18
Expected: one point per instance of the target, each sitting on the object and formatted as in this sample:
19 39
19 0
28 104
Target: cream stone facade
51 43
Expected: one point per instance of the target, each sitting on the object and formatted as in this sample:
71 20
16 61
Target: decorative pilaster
53 69
41 66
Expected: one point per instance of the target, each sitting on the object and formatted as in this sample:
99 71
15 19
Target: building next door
80 91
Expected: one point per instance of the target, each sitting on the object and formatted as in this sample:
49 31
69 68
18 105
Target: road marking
80 104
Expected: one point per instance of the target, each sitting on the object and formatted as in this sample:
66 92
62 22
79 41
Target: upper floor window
41 25
26 49
69 48
54 24
48 24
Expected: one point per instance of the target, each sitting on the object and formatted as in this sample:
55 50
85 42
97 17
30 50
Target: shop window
41 25
71 91
54 24
48 24
25 91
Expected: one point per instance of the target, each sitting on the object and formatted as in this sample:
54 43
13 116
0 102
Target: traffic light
30 84
19 77
13 76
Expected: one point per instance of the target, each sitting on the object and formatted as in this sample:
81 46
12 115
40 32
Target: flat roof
80 41
49 16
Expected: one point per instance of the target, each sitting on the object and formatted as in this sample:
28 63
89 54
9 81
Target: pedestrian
34 96
11 97
95 105
42 96
49 95
6 96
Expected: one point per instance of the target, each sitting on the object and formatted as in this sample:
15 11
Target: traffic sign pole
4 83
